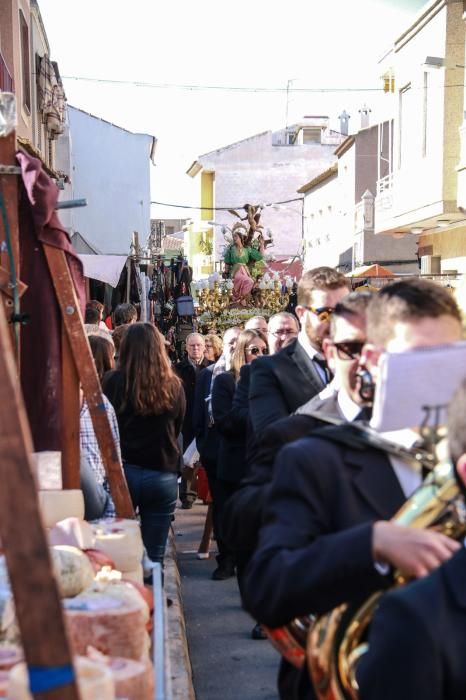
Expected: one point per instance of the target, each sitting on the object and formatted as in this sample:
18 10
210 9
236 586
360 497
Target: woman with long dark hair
149 402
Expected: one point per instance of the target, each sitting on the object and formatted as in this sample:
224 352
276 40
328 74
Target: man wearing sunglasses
340 400
281 383
325 538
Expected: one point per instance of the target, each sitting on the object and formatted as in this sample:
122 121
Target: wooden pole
37 601
84 362
70 416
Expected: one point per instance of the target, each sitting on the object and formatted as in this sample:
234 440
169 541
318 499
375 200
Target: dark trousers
154 495
188 493
223 491
225 555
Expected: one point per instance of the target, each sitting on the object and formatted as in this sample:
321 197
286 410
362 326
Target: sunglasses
323 313
254 350
350 350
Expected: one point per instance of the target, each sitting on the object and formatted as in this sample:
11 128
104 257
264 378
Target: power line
240 206
224 88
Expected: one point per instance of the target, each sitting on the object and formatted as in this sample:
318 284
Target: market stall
75 615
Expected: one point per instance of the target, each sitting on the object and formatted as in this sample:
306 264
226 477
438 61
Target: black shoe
221 573
187 505
257 632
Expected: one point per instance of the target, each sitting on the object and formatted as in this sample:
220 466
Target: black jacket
315 547
280 384
148 441
244 511
241 410
188 375
205 431
417 639
231 425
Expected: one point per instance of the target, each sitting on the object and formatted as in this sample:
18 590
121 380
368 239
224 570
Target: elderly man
188 370
283 328
256 323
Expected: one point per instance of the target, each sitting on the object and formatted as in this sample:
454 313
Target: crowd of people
300 505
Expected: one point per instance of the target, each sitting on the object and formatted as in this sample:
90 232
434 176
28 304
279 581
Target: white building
265 168
110 168
339 208
422 193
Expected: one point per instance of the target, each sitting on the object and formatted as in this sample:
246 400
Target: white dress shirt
408 474
311 352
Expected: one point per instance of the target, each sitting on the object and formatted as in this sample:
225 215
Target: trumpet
337 641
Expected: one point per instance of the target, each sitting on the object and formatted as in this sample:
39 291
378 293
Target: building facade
423 194
15 59
266 168
110 168
339 208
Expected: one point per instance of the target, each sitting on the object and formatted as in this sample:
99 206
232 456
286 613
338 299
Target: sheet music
410 380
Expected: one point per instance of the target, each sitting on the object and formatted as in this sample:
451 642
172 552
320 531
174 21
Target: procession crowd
301 493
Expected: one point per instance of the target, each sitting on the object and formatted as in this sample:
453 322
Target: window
25 66
405 122
312 134
6 81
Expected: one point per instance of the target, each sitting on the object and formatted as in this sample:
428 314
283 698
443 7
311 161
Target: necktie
322 363
365 414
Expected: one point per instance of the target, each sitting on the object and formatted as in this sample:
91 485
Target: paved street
227 664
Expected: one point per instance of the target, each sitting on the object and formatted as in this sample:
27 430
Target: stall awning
370 271
106 268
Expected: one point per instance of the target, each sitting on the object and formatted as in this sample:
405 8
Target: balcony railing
6 81
384 197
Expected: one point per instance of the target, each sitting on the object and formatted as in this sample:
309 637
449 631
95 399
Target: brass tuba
336 641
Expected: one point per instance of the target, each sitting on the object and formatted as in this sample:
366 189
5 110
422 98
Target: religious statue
237 257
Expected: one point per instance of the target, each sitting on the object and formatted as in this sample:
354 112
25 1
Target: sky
245 45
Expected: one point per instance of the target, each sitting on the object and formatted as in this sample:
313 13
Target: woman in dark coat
149 402
231 424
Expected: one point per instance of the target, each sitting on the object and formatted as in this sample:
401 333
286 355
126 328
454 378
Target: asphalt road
227 664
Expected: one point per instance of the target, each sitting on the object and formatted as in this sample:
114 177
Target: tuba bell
336 640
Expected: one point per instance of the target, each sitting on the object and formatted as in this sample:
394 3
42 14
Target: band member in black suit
283 382
418 634
325 538
341 400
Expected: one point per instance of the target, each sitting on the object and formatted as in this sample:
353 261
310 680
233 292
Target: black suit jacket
280 384
315 546
417 640
241 410
188 376
231 425
244 511
205 432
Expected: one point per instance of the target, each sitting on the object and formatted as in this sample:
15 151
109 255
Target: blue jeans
154 494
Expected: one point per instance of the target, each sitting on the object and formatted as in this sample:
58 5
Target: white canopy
106 268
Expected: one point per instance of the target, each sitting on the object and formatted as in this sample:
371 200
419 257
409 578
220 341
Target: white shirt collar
303 340
347 406
408 475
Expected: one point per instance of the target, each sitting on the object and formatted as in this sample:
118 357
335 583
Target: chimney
364 112
344 122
